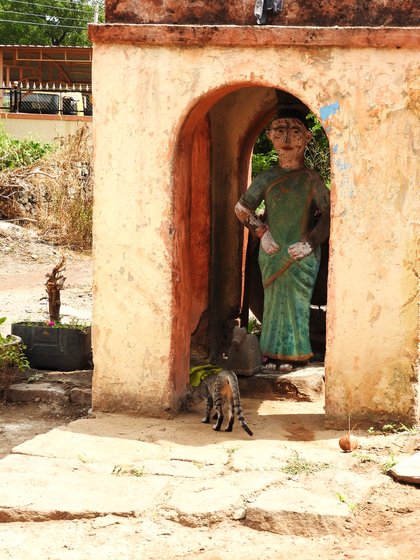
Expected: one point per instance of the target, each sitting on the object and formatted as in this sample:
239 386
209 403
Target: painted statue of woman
297 209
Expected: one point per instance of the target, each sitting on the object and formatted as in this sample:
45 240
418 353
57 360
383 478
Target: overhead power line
44 16
43 24
75 8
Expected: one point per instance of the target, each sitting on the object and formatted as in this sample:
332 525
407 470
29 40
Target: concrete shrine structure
181 92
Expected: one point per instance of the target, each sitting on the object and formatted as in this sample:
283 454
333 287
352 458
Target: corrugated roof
43 64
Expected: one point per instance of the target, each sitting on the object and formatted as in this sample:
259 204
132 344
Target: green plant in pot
52 344
12 360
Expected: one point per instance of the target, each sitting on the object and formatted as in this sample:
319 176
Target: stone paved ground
114 486
117 485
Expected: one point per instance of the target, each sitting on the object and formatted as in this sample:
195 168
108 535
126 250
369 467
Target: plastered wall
44 128
367 100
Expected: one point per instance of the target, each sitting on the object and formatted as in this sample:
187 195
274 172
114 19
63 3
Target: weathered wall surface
241 12
134 143
367 99
230 177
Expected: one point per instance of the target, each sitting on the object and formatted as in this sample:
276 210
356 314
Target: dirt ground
24 262
22 421
387 524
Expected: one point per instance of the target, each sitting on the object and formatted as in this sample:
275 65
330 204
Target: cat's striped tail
233 380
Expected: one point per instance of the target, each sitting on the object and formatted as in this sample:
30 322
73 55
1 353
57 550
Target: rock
31 491
200 503
26 392
306 384
297 511
81 396
244 355
407 470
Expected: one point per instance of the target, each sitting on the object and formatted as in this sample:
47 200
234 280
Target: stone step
304 384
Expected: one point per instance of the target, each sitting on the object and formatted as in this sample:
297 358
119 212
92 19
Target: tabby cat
220 389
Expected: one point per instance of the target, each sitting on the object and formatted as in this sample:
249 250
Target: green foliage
364 458
263 144
254 326
121 470
389 463
56 22
264 155
317 154
398 428
12 355
261 162
352 507
73 324
18 153
68 188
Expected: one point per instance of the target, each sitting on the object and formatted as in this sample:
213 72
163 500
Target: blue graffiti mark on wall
344 182
329 110
342 165
335 149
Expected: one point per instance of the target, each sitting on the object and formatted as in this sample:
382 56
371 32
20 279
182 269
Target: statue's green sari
292 197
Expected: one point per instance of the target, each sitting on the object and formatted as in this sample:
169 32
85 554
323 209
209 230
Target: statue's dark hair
283 113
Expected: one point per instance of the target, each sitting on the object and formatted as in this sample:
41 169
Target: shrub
56 192
18 153
12 360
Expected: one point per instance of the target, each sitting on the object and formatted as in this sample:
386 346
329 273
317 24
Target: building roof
47 64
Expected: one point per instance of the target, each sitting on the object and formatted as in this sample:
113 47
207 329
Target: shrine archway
189 84
212 169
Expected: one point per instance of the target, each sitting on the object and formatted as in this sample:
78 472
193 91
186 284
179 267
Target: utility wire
43 24
46 16
77 8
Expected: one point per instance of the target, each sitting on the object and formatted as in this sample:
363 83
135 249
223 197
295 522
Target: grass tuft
297 465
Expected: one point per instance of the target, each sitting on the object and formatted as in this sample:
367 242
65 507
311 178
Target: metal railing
46 100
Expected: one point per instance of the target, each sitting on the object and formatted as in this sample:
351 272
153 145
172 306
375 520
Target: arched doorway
212 169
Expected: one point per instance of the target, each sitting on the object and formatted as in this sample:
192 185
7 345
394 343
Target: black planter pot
61 349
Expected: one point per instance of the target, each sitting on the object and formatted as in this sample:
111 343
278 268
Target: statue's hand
268 244
299 250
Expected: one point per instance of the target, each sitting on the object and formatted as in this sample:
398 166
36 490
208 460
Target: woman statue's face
290 138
